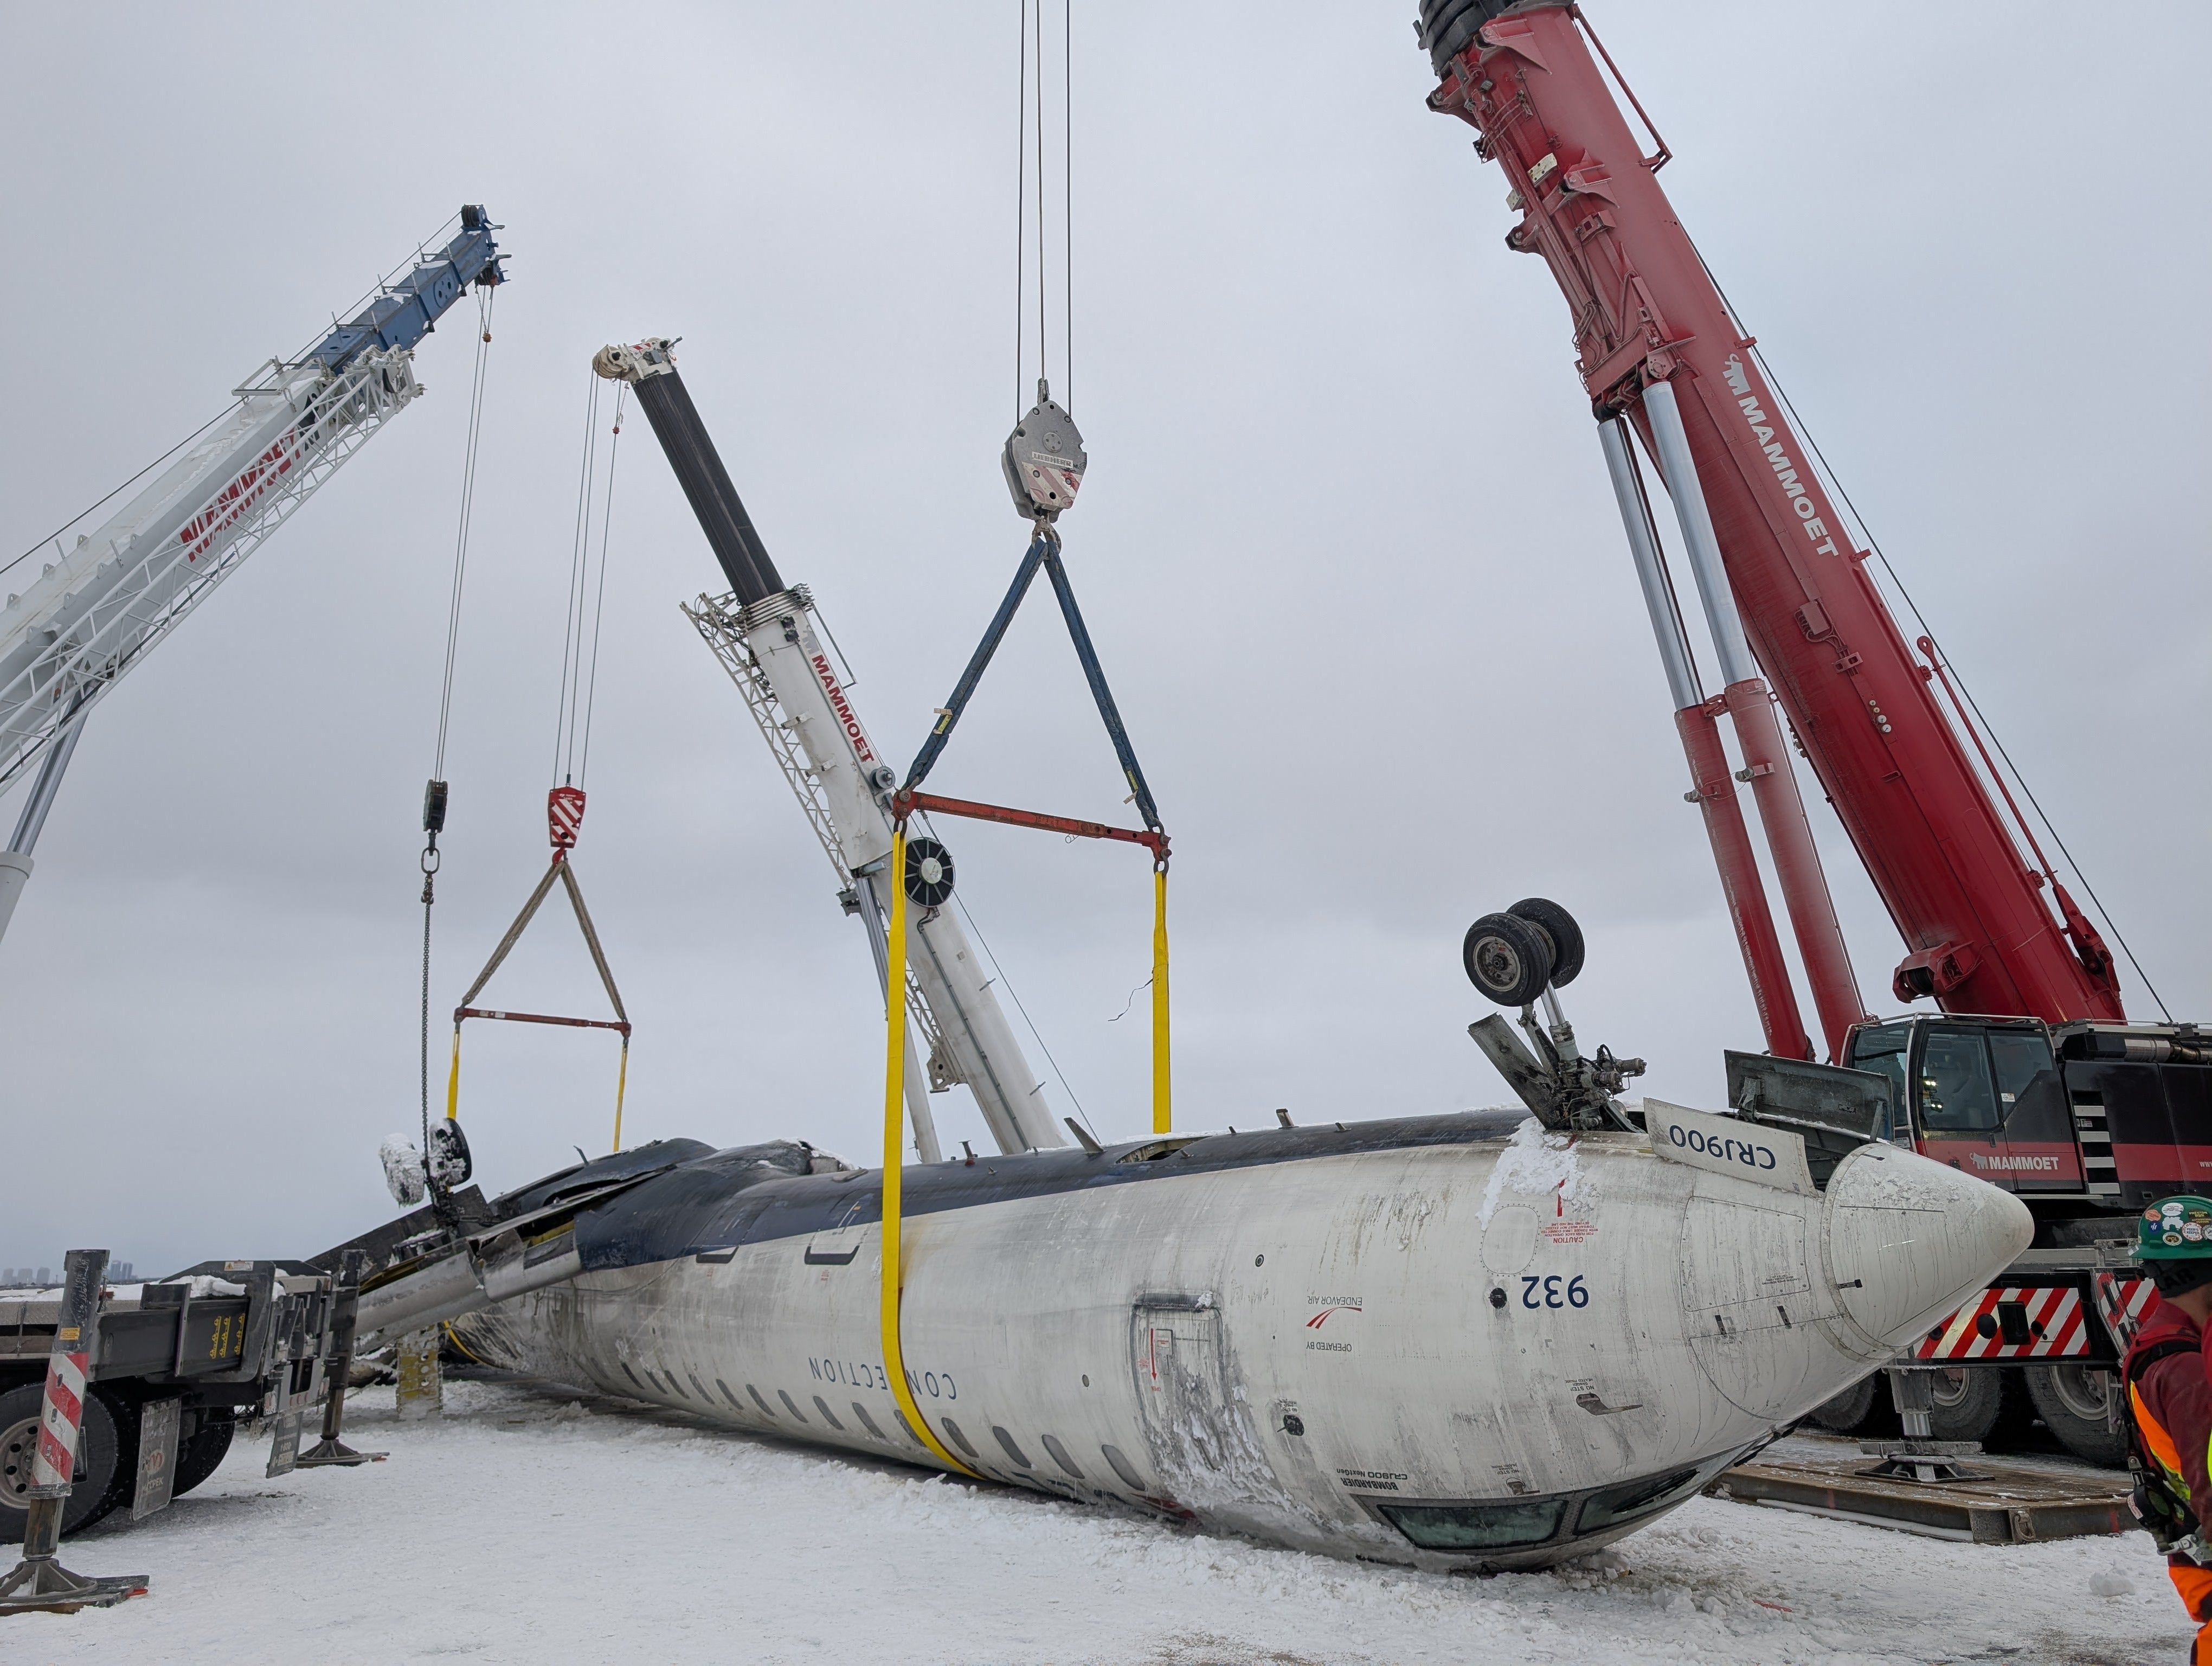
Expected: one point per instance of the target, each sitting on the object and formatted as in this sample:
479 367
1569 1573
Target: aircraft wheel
203 1455
1967 1403
2074 1402
1560 932
104 1477
1849 1409
1507 958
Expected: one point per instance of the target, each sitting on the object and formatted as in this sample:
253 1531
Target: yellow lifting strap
1161 1118
895 1163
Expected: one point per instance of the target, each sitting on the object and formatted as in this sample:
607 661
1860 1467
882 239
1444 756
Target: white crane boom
96 610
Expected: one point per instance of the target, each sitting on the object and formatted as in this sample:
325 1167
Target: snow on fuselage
1444 1340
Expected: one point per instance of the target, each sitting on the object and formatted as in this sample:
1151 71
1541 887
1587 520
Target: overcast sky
1346 546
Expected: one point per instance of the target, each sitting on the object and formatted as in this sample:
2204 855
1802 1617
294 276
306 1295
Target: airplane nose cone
1909 1238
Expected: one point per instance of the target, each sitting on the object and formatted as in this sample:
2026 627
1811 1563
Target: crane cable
1029 126
564 802
580 658
434 791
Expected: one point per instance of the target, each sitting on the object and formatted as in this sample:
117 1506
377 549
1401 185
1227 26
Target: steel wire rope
1044 1047
1068 199
54 537
1021 190
1929 631
578 562
485 297
600 604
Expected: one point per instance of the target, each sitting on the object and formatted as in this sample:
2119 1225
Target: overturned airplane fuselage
1447 1342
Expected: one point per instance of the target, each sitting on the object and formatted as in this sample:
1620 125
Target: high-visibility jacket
2169 1389
2170 1397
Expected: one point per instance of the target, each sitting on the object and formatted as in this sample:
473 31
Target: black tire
1848 1410
105 1470
202 1454
1560 930
929 873
1967 1402
2071 1399
1507 958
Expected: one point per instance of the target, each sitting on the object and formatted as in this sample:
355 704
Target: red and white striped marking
2123 1304
2054 1323
564 815
54 1463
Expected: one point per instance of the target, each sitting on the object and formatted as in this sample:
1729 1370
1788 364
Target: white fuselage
1438 1354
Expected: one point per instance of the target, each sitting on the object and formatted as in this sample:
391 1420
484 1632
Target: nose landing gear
1522 958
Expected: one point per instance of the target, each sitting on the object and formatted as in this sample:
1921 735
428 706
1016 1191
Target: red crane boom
1653 334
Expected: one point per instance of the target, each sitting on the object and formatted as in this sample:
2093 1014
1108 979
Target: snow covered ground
530 1526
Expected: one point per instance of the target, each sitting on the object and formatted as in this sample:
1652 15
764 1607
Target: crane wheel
929 873
1508 958
104 1477
1849 1409
2073 1403
1560 930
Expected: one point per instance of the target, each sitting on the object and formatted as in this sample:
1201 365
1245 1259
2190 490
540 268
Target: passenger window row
1123 1470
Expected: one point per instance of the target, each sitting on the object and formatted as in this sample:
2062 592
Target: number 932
1553 1290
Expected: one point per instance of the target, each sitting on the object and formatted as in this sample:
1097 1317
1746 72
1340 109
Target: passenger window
1882 1050
1955 1083
2025 1071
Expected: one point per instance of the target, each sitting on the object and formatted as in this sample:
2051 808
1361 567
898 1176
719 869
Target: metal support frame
716 619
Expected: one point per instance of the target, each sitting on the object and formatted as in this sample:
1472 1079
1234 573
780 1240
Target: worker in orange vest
2169 1401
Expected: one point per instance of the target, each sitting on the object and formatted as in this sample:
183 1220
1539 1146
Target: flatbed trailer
175 1366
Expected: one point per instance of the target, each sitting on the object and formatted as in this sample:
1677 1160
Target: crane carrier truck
2028 1072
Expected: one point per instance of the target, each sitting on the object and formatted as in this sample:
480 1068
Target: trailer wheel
1507 958
203 1455
1560 930
1967 1403
103 1479
1849 1409
2074 1402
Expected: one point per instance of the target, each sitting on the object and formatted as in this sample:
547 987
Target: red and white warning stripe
564 815
54 1464
2122 1304
2054 1324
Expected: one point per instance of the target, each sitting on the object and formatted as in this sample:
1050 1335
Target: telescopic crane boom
1986 931
763 633
100 606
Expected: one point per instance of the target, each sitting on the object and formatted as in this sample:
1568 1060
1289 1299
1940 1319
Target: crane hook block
564 815
1044 461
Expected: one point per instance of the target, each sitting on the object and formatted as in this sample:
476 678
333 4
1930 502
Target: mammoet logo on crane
1786 469
842 706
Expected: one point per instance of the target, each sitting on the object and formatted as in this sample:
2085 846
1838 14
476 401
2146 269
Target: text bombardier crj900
1451 1341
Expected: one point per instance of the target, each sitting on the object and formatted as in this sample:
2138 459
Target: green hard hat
2176 1228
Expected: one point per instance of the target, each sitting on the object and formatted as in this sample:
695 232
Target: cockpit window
1636 1498
1476 1526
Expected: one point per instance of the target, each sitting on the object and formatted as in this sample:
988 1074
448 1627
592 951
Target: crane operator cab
2116 1115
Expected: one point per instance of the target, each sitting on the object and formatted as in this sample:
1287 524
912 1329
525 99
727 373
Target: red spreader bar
460 1012
904 804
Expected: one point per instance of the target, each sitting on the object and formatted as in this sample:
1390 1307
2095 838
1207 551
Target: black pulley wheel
929 873
106 1472
1507 958
1559 928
